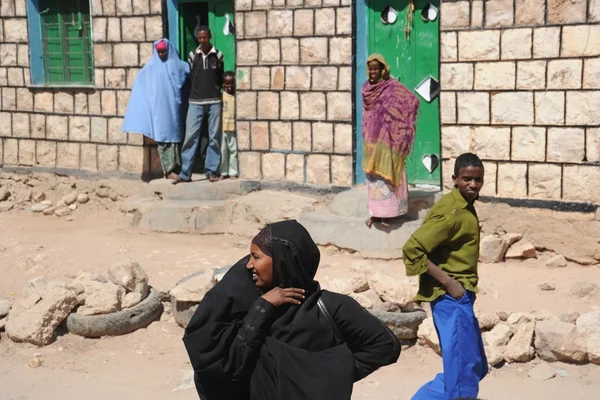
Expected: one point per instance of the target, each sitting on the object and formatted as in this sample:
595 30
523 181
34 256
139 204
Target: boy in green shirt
444 253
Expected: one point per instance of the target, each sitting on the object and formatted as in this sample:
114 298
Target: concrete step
200 189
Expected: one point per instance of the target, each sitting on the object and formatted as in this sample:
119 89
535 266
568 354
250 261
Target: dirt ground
150 363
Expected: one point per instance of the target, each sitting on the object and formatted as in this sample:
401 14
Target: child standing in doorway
229 154
443 252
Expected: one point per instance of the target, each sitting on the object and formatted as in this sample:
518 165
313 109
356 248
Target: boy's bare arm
454 288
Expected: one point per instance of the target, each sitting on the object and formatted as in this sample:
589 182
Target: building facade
519 84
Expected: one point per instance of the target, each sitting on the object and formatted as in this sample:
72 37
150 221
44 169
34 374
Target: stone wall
521 88
294 101
77 129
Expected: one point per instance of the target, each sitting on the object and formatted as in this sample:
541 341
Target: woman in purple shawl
389 113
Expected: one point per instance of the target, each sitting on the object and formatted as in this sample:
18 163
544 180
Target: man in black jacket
206 71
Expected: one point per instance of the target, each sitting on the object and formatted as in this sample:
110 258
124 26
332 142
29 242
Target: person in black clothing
267 331
206 71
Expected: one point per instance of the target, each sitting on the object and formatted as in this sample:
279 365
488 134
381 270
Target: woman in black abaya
268 332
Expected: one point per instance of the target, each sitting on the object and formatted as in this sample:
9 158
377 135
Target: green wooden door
412 57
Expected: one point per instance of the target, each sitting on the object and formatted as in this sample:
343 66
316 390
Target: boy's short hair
228 74
202 28
466 160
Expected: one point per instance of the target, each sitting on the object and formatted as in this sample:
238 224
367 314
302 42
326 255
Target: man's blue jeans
195 117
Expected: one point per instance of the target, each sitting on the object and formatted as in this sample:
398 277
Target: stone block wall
521 88
294 100
54 128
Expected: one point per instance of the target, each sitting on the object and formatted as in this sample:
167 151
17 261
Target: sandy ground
150 363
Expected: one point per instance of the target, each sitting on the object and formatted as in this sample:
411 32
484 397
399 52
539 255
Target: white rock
3 323
363 300
38 208
487 321
4 194
583 289
73 207
519 318
129 275
559 341
546 286
104 298
194 289
589 325
82 198
499 336
520 348
5 206
49 211
522 250
492 249
391 290
70 198
512 238
558 261
62 211
427 335
359 284
89 276
542 372
132 299
570 317
494 355
5 307
38 197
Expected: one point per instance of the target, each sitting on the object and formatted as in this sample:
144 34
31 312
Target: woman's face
261 266
374 70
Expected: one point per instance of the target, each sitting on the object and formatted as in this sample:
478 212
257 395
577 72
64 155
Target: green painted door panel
412 58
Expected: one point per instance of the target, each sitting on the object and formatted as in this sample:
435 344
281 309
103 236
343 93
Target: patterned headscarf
263 241
385 68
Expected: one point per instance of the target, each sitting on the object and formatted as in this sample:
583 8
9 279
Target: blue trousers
463 356
193 124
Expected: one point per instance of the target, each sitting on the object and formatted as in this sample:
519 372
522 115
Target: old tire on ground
119 323
404 324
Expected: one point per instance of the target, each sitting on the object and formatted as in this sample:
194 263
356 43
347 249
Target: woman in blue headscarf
156 107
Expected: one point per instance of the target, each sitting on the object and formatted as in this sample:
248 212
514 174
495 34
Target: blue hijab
155 107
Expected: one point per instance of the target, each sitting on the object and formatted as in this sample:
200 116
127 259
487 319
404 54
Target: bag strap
329 319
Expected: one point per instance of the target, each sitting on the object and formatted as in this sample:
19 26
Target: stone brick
9 99
582 107
325 78
3 77
45 153
67 155
281 23
317 169
243 78
339 106
343 135
489 178
297 78
473 107
57 128
261 78
512 180
566 145
99 26
98 79
331 3
313 106
247 52
246 105
277 78
38 126
594 11
345 79
7 9
564 74
344 21
448 46
268 105
140 7
491 143
325 22
580 183
108 157
23 55
20 8
243 5
15 30
529 12
281 135
131 159
102 55
580 40
122 101
456 140
498 13
98 130
20 125
340 51
454 15
448 107
24 99
79 129
63 103
528 144
124 7
133 29
313 3
322 134
269 52
154 28
89 157
262 4
516 44
273 166
512 108
126 55
303 22
250 165
592 140
313 51
115 135
341 170
243 135
550 108
302 136
531 74
5 124
8 54
109 102
495 75
115 78
113 31
259 135
546 42
255 24
290 51
15 77
109 7
94 105
290 106
566 11
479 45
476 14
81 103
239 25
294 168
591 72
456 76
11 152
135 139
